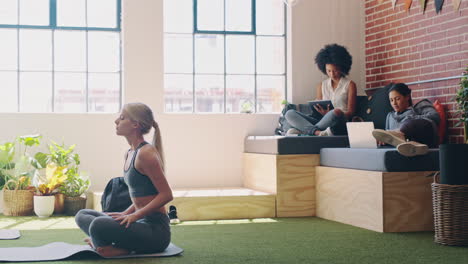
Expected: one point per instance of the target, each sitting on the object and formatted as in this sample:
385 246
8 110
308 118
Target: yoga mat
61 250
9 234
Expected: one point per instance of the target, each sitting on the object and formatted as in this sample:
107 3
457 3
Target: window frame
52 4
225 32
225 74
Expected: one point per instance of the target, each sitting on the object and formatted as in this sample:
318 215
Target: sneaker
173 215
293 131
412 148
391 137
326 132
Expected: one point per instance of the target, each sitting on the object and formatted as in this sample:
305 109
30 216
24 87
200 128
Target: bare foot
110 251
89 242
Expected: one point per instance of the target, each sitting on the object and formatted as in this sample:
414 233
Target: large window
60 56
224 56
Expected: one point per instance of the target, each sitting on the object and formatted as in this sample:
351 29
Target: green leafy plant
461 97
75 185
17 166
49 183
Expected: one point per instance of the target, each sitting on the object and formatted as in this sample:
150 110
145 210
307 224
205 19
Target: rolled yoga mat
61 250
6 234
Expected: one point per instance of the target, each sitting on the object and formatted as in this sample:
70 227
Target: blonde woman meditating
144 226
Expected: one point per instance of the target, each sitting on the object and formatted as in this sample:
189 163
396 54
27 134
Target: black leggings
148 235
420 130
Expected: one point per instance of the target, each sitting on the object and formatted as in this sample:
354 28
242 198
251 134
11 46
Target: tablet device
323 103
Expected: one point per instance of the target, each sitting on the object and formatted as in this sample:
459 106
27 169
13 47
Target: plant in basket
17 166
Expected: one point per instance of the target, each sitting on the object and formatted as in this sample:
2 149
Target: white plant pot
1 201
44 205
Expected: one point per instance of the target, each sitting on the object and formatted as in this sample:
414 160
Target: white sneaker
326 132
412 148
293 132
391 137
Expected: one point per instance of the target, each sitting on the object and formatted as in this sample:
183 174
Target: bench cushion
382 159
292 144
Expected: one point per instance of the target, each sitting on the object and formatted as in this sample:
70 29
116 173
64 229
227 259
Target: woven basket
18 202
450 204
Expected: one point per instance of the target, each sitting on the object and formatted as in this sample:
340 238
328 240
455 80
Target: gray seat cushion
382 159
292 144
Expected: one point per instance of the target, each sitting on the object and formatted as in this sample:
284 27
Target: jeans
308 124
148 235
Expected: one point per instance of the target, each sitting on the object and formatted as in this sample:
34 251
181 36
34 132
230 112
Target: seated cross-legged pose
335 62
412 129
144 226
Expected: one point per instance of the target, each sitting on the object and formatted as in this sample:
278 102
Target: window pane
8 49
270 55
239 15
270 17
178 53
178 16
270 93
210 15
209 93
240 96
102 13
240 54
9 91
103 51
9 12
71 13
34 12
104 92
209 53
35 92
178 92
35 49
70 92
70 50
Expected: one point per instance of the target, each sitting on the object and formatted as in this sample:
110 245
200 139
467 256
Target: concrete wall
202 150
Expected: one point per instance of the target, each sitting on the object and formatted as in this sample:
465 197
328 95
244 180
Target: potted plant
461 98
453 166
17 167
47 186
75 184
74 187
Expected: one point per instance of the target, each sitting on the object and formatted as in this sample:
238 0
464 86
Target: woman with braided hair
144 226
335 62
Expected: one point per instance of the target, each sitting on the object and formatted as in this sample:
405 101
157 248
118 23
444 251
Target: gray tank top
138 184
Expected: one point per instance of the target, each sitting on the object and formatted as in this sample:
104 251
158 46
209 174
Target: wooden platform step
217 203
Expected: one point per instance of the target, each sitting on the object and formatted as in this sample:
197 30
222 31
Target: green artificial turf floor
280 240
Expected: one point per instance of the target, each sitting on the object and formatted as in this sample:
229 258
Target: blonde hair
142 114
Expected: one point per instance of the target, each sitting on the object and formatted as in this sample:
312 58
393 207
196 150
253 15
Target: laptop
360 135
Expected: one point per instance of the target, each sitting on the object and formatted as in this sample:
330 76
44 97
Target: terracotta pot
59 206
44 205
74 204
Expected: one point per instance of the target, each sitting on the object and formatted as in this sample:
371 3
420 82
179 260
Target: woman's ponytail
157 143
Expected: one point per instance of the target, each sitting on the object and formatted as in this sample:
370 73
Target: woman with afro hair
335 62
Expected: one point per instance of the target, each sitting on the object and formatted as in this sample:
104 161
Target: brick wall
410 46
